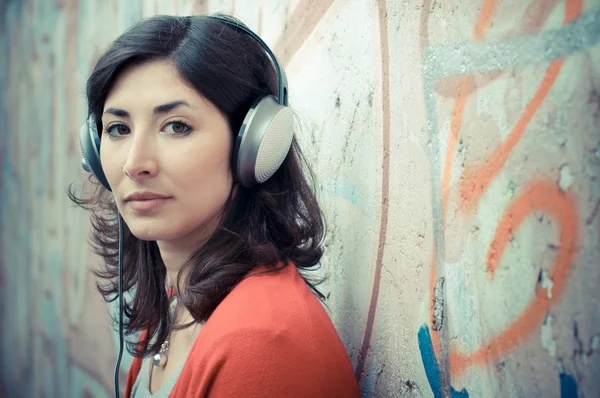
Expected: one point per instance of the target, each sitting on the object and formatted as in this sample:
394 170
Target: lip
144 201
146 195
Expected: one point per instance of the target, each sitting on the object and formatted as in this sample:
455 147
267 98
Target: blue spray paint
432 369
568 386
342 188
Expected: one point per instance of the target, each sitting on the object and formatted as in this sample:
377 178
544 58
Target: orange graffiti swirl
541 196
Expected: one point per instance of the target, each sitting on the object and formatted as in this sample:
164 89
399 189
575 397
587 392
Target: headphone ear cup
90 150
263 142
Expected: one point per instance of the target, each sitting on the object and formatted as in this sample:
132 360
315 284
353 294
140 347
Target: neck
173 263
175 253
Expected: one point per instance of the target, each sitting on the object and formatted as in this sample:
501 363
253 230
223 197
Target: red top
270 337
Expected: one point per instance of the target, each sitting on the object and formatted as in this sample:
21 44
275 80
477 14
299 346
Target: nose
141 161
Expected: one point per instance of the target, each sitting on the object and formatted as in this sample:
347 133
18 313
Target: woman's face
165 152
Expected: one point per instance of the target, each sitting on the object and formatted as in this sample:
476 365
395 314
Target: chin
151 235
152 230
169 227
148 235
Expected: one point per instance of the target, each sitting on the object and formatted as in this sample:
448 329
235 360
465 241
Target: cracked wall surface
457 147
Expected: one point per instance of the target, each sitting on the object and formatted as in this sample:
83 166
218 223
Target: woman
211 255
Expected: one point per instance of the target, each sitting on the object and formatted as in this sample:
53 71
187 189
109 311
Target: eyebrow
164 108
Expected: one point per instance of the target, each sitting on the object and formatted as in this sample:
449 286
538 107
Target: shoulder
269 304
270 307
269 337
272 336
268 297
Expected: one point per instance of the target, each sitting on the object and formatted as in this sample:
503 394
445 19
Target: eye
117 130
177 127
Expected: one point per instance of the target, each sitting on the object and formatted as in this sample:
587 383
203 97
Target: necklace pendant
159 359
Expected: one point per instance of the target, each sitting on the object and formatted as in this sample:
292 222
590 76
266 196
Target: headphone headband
282 84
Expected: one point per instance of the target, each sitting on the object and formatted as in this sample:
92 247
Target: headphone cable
118 364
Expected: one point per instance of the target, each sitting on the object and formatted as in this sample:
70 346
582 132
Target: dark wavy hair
277 222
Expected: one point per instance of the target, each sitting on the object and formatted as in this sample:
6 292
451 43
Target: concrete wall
458 149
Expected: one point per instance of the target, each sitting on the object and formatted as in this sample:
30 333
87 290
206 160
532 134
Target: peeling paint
546 282
547 337
438 305
565 177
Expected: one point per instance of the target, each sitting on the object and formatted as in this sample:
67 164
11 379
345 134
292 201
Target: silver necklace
161 357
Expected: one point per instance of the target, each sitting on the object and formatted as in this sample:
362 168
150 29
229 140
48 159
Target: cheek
205 160
202 171
202 187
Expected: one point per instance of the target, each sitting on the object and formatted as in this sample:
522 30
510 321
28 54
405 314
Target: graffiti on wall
461 184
